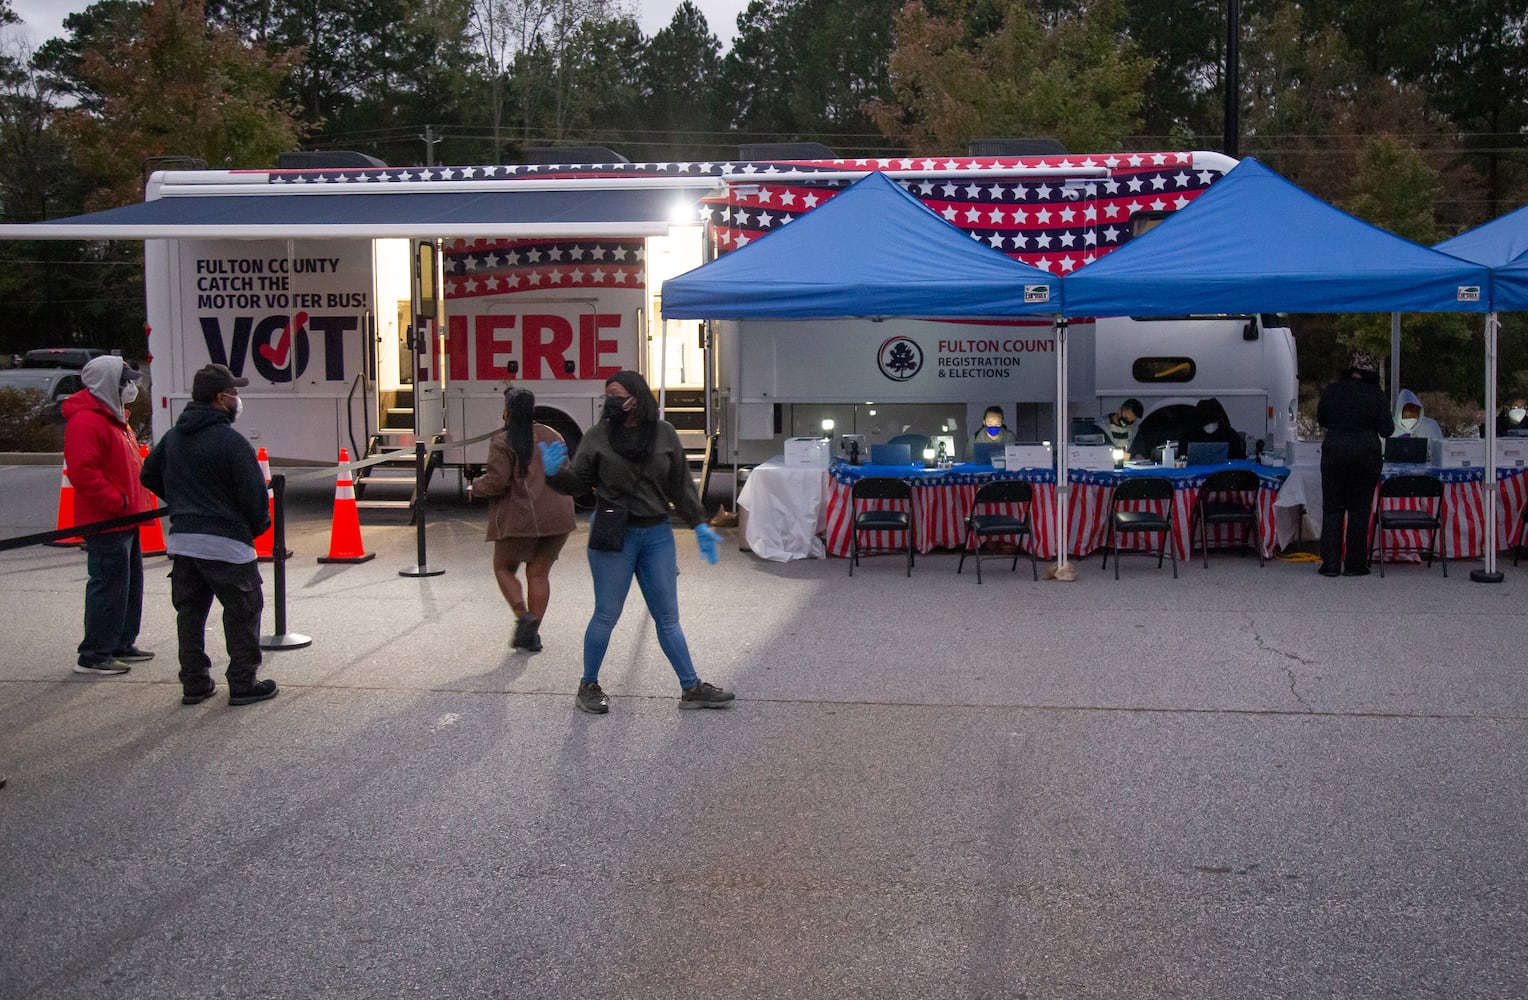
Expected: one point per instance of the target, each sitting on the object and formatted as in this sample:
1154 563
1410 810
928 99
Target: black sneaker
248 694
705 695
1356 571
592 699
106 668
133 654
197 695
1329 571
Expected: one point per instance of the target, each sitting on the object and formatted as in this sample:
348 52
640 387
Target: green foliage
1072 76
678 104
807 70
22 424
175 87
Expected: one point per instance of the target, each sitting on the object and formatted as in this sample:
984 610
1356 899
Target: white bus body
330 332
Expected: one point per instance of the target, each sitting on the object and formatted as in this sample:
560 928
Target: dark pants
193 585
1348 479
113 597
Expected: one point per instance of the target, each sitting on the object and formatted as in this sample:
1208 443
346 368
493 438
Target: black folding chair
880 488
996 524
1389 519
1148 489
1217 505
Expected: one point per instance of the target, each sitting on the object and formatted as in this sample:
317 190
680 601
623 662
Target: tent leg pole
1489 573
1063 487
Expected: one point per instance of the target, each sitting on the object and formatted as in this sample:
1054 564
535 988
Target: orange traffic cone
266 543
150 537
345 531
66 513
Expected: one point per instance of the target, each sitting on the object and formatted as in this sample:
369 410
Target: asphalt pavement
1248 782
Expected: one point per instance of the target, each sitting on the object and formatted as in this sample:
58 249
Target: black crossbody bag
607 528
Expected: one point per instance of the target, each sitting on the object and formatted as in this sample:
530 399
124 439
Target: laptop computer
1208 453
1406 451
982 452
891 454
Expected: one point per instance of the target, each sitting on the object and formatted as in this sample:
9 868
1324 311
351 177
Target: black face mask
614 411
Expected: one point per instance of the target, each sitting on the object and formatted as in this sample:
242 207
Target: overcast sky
44 19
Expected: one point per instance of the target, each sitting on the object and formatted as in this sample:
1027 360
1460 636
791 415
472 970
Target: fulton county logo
900 359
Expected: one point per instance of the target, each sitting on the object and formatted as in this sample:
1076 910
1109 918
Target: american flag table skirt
1464 516
941 501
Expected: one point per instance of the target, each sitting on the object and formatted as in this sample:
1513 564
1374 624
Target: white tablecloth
786 505
1300 494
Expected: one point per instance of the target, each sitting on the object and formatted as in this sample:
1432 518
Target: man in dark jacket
208 474
1356 416
101 457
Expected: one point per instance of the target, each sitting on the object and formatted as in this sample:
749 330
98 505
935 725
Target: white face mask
1211 428
1516 414
238 408
1408 422
129 393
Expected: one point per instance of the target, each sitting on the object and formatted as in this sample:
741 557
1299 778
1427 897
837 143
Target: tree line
1409 113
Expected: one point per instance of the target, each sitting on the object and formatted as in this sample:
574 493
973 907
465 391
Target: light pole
1229 142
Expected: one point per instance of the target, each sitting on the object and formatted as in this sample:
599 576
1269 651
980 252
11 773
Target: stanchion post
422 567
281 639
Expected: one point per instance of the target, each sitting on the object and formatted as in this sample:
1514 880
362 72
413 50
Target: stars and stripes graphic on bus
504 267
1055 223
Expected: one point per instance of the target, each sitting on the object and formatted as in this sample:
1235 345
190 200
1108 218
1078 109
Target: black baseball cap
212 380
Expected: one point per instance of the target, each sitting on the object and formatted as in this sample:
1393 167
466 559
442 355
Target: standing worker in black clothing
1356 416
208 474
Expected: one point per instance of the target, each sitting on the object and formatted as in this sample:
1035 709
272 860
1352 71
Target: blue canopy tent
1254 242
1501 245
872 250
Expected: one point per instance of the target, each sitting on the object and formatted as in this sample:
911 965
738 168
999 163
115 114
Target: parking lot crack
1284 656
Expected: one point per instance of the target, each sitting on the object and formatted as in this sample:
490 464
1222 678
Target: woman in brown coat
527 521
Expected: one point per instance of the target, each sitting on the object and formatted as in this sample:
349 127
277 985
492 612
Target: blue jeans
113 597
649 556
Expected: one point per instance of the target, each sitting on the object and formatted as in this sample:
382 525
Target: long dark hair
519 429
635 444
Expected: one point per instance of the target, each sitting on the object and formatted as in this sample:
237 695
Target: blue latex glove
553 456
707 539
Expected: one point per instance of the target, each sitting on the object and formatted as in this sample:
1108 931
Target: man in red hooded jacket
101 455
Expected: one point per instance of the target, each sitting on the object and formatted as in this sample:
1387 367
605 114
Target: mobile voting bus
374 306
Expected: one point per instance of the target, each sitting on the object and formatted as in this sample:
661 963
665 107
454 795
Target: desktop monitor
1208 453
891 454
1406 451
1085 431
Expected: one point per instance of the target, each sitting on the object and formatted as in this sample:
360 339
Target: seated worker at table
1410 421
1120 426
993 430
1513 417
1211 423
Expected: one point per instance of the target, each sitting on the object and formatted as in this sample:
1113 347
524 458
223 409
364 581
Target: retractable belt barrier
361 463
130 520
82 530
282 638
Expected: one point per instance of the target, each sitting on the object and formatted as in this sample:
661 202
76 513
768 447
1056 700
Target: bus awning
610 212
